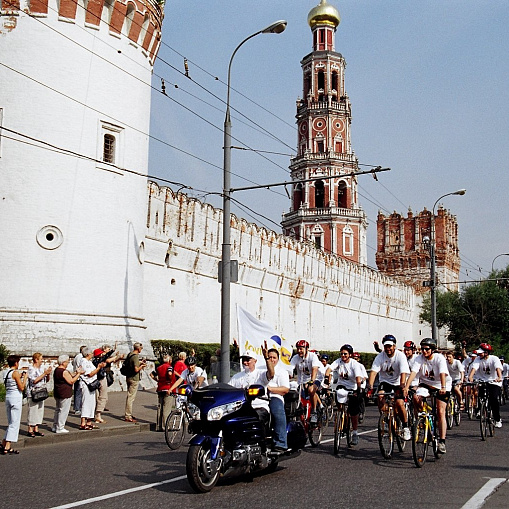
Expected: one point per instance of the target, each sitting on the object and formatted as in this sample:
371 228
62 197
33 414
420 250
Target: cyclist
392 367
192 375
505 375
457 372
362 402
320 376
307 365
433 374
489 369
349 378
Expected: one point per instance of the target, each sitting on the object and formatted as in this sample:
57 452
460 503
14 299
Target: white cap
250 353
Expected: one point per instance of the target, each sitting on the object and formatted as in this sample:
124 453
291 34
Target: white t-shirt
190 378
347 373
321 372
244 379
305 366
455 369
281 379
390 368
486 369
429 371
505 370
411 362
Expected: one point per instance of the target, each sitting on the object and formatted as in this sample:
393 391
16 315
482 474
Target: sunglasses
426 348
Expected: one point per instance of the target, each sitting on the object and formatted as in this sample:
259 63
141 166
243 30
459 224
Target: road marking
480 497
119 493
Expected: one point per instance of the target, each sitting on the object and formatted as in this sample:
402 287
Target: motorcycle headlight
194 411
218 412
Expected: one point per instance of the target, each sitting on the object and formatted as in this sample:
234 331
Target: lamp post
274 28
501 254
432 253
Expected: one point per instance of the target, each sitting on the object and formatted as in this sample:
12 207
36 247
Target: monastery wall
301 291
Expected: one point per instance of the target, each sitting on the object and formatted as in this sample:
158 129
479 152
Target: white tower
74 111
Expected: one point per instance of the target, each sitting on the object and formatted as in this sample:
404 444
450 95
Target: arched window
334 84
321 80
128 21
319 194
342 199
347 241
297 197
107 11
144 28
109 142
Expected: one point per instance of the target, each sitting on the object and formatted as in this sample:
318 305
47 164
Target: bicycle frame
389 426
425 431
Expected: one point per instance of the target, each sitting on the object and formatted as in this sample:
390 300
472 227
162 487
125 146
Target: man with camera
132 370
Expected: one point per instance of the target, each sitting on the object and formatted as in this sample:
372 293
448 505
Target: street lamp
501 254
432 252
274 28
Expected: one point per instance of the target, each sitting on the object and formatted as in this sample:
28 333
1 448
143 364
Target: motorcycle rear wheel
201 474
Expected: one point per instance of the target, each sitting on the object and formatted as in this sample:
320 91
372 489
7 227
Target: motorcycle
229 438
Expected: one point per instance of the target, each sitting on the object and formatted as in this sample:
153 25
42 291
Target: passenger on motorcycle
433 373
278 386
457 372
307 365
350 379
193 375
489 369
392 367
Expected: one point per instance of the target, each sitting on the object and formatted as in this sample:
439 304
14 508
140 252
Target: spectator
88 397
163 375
15 383
133 369
180 365
37 379
76 363
107 355
63 381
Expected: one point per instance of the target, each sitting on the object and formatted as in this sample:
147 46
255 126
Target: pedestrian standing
63 381
132 370
38 377
15 383
88 397
76 363
163 375
107 355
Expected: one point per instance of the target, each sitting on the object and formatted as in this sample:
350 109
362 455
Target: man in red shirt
163 374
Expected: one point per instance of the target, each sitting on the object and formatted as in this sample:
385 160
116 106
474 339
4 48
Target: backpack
126 368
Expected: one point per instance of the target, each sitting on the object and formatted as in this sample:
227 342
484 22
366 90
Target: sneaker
498 424
355 438
441 448
53 429
63 430
314 417
77 412
406 434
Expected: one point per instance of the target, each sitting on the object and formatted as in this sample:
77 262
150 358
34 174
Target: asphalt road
140 471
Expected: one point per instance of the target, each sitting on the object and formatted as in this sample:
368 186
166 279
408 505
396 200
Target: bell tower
325 211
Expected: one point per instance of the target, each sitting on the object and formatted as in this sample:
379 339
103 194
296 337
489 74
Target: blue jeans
277 410
77 396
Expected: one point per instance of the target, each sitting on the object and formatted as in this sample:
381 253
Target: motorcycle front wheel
202 472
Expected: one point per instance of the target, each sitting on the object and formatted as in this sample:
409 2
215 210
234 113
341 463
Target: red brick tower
402 250
326 211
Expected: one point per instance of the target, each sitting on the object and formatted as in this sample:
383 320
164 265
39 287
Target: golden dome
324 14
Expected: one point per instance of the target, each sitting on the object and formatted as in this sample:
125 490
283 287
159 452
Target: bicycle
470 399
178 423
452 412
390 427
486 420
327 400
342 421
313 430
424 432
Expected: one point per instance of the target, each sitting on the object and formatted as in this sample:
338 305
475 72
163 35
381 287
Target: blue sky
429 86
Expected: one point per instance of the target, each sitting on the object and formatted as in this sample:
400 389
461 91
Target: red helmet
302 343
486 347
409 345
356 355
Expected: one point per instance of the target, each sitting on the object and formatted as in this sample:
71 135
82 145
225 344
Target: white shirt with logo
305 366
389 369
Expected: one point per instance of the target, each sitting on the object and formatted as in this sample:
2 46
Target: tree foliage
478 313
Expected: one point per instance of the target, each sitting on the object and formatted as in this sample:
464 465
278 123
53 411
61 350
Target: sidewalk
144 409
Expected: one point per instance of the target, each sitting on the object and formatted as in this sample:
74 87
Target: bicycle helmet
429 342
348 348
324 357
356 355
486 347
388 338
190 361
302 343
409 345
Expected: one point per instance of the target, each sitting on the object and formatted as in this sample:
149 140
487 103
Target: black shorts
441 397
387 387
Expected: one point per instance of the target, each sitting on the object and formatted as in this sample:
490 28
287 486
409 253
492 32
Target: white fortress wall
301 291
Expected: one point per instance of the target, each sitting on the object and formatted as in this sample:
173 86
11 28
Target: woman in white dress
38 377
88 398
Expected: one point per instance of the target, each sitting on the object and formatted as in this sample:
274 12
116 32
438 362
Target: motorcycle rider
307 364
192 375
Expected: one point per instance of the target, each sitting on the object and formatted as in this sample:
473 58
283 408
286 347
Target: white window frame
348 244
118 133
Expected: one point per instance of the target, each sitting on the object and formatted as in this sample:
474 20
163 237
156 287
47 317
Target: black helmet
388 338
429 342
325 357
348 348
190 361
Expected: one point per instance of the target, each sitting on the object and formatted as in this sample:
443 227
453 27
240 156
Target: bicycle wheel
457 413
385 436
471 406
315 429
174 429
348 429
483 421
330 410
398 433
420 441
338 429
491 423
449 413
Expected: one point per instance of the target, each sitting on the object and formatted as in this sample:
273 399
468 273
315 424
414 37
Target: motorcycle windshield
215 395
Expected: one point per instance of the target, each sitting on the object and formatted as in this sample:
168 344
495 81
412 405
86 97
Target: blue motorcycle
229 437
